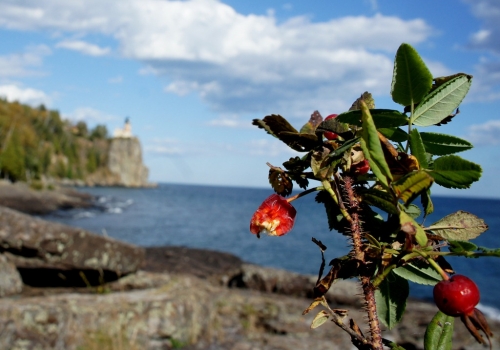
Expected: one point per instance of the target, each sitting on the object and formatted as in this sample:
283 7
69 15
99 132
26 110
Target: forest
37 144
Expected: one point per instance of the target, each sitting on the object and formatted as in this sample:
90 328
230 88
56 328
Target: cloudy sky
192 74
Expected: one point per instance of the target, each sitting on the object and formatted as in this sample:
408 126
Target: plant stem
328 187
368 287
434 264
302 194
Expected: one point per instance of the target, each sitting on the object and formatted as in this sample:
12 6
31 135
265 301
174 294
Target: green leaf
339 152
426 201
455 172
413 211
372 148
459 226
411 79
367 98
383 118
442 144
490 252
391 299
461 246
380 199
319 319
394 134
419 272
442 101
334 125
417 148
439 332
411 185
410 226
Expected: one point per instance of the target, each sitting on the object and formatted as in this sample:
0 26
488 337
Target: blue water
217 218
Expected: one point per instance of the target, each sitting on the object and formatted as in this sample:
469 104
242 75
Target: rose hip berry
360 168
456 296
275 216
328 134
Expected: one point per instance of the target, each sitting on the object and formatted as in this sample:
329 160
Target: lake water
217 218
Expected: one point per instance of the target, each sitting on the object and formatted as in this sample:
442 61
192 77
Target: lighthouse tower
125 132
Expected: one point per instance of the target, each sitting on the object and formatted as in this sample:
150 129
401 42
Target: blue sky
191 75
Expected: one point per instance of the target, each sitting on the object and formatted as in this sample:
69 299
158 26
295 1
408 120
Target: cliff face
125 162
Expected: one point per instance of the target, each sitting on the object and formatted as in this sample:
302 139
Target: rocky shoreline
66 288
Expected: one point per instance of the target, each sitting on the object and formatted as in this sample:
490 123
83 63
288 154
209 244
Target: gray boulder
10 279
67 255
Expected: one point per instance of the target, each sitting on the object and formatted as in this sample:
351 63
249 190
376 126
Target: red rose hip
360 168
275 216
328 134
456 296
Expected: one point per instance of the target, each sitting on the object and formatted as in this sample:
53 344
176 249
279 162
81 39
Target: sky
191 75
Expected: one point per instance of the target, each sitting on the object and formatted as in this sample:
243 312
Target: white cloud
84 47
237 63
484 134
22 64
231 122
487 72
91 115
34 97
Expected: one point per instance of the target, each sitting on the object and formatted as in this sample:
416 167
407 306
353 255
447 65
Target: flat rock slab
32 243
187 312
21 197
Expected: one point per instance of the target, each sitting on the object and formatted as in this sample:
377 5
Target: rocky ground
65 288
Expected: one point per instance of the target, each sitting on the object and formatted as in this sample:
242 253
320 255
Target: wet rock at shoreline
19 196
52 254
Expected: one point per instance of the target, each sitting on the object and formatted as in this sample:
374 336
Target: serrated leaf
394 134
459 226
298 142
333 125
319 319
411 185
280 128
439 332
391 299
280 182
455 172
461 246
413 210
441 102
411 79
383 118
417 148
312 124
380 199
367 98
372 148
274 124
419 272
490 252
410 226
442 144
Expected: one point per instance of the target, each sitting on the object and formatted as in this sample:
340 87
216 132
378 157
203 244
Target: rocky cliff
125 161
